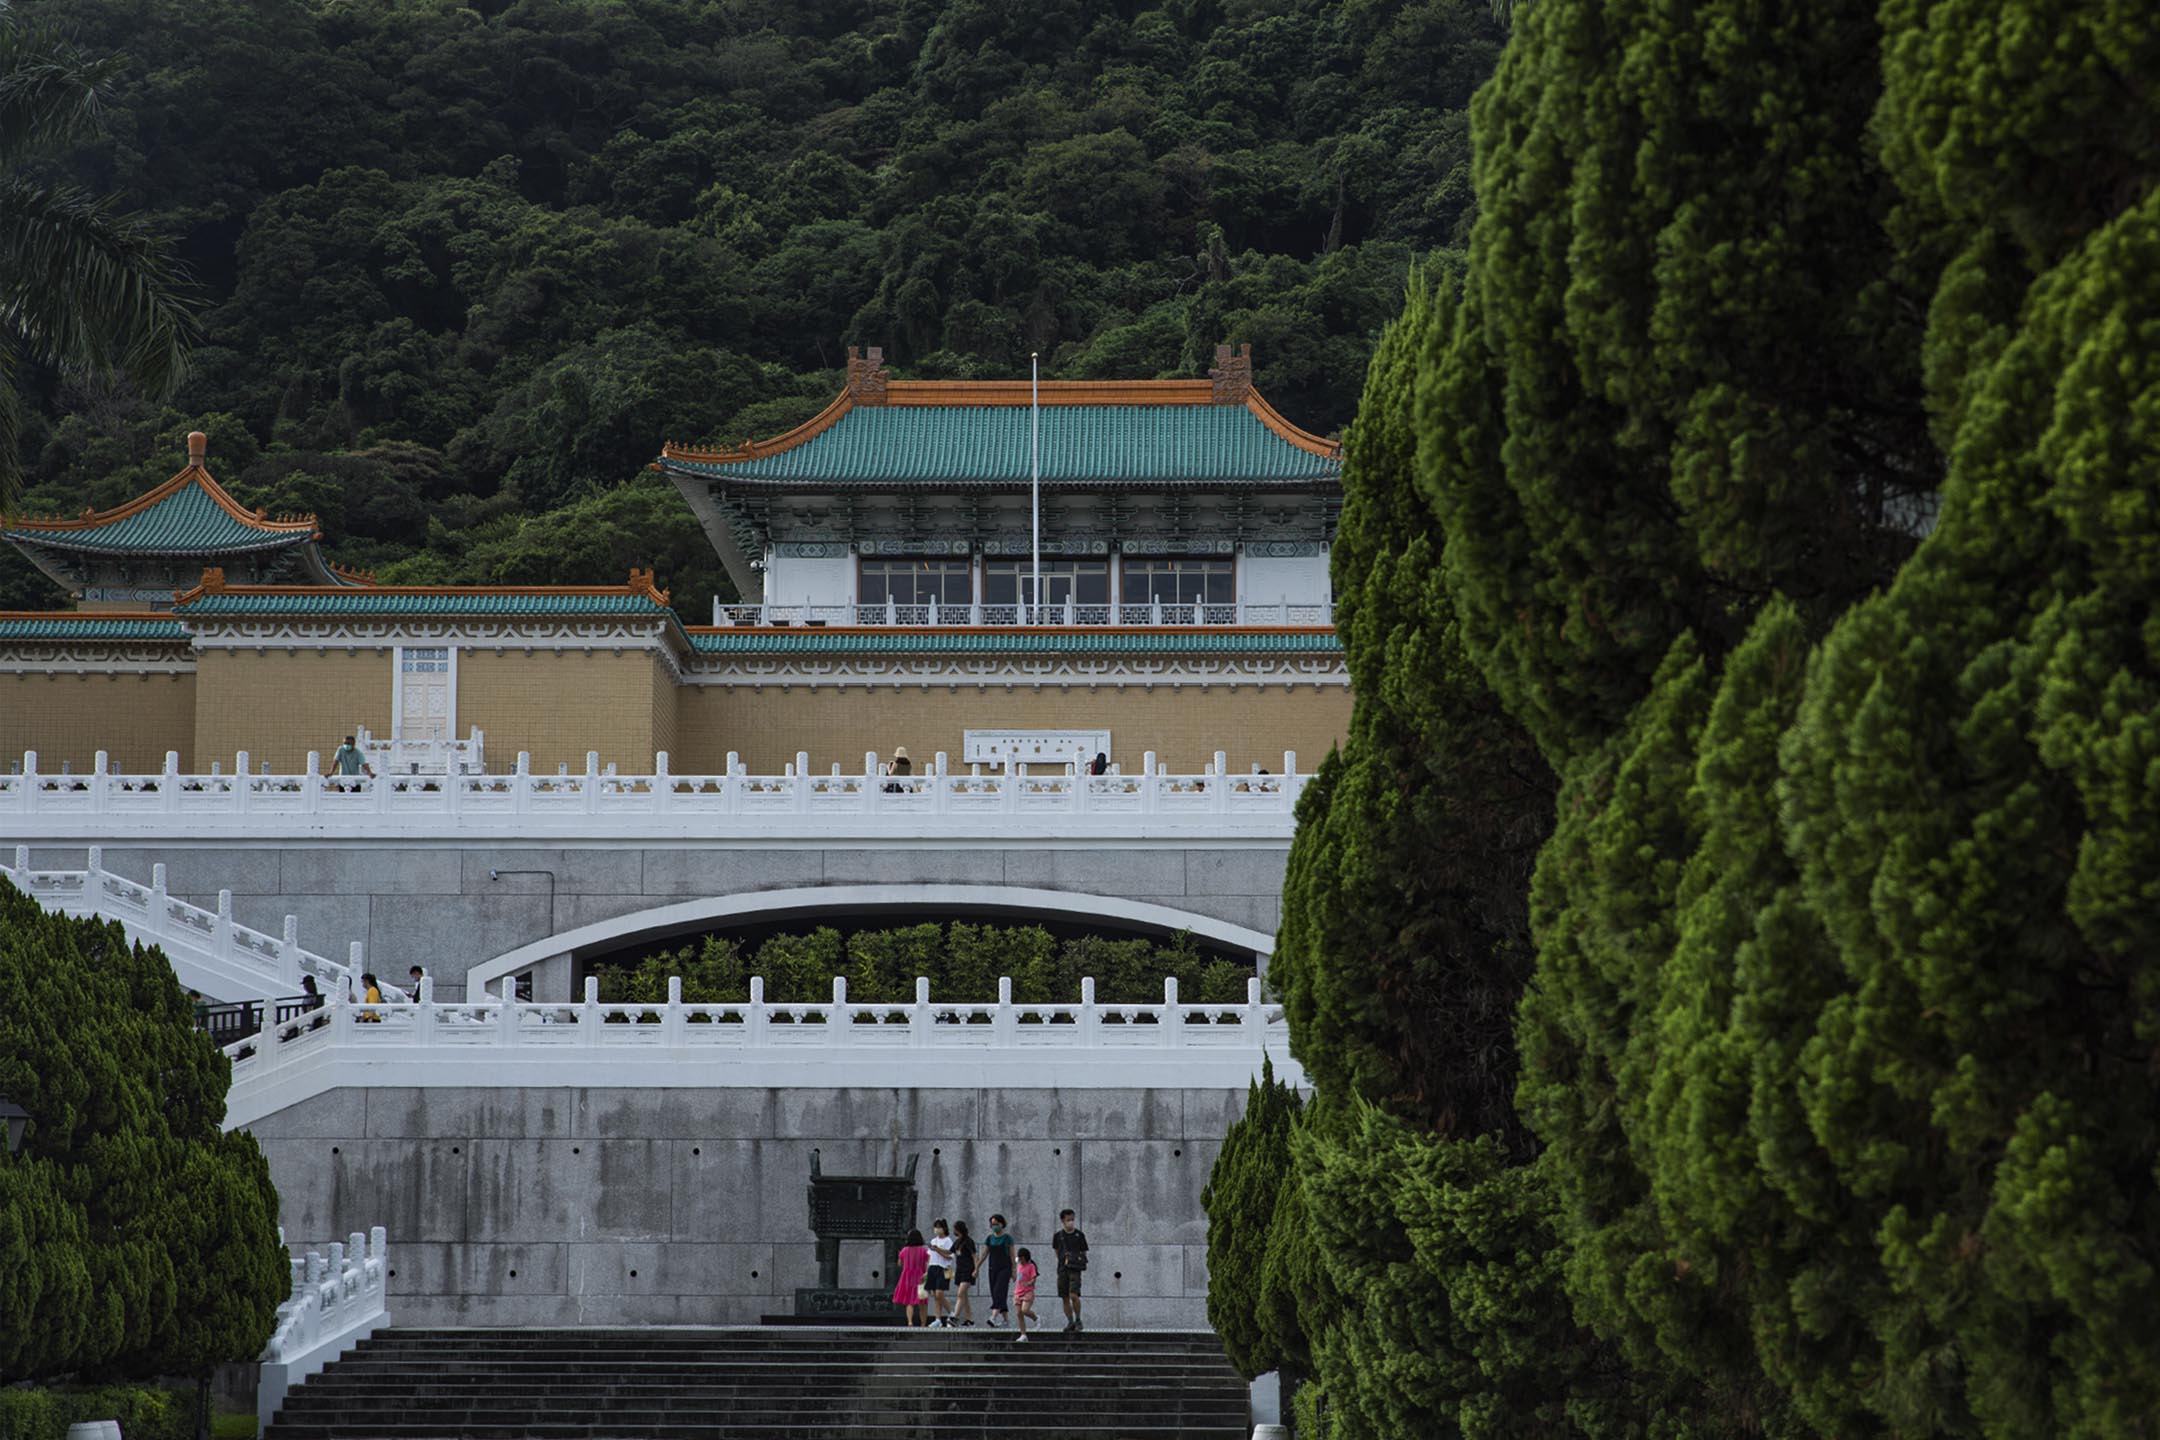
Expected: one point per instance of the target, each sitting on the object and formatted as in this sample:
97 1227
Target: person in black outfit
1070 1244
963 1272
1100 765
998 1247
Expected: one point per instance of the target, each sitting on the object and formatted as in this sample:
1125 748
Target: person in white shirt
937 1281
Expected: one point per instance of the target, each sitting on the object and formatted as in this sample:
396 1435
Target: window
916 582
1177 580
1084 582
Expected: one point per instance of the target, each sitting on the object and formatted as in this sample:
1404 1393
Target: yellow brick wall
558 704
68 718
279 704
1185 726
667 733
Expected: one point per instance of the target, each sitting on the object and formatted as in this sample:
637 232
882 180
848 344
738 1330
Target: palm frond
10 429
50 93
83 286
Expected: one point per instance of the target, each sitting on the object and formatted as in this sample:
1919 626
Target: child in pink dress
914 1263
1024 1292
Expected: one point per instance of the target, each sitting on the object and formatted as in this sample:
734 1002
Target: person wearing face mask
997 1249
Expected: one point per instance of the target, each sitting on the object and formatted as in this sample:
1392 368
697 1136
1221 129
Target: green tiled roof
361 602
987 445
186 522
1016 642
64 625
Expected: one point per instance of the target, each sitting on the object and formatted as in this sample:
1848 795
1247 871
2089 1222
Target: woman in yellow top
371 994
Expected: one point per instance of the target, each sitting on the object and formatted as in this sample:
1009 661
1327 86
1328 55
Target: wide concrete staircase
780 1383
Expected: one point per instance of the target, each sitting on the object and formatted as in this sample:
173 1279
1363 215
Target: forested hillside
463 266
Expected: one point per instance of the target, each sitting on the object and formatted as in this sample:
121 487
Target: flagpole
1035 471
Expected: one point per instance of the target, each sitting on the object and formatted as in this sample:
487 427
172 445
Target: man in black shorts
1071 1247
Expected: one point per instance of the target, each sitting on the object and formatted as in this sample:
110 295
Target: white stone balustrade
1067 613
337 1301
210 951
841 1043
944 803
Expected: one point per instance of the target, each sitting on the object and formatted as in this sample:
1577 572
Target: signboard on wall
1040 747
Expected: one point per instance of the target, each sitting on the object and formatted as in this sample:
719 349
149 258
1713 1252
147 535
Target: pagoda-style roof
214 599
1216 433
184 525
1017 640
73 625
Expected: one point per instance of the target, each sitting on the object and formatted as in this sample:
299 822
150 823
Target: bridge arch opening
553 961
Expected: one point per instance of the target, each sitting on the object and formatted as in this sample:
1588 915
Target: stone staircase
779 1383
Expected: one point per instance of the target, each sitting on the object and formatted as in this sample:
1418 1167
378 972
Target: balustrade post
1090 1026
355 962
95 867
311 790
22 861
223 932
1150 787
1255 1015
592 781
341 1019
672 1019
159 908
754 1018
1221 783
1011 797
1083 783
1289 765
169 782
30 786
1155 612
99 782
426 1014
241 763
1172 1024
839 1016
507 1017
1004 1021
941 787
589 1017
802 782
663 784
919 1013
871 788
289 953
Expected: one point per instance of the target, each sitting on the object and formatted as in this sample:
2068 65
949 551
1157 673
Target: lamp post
15 1120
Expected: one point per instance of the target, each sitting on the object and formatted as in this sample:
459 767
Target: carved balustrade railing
239 956
945 801
1064 613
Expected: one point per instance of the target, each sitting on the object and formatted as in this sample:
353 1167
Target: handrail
336 1301
756 1042
1124 614
943 802
242 957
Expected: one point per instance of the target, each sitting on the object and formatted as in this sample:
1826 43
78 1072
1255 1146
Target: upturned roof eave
731 477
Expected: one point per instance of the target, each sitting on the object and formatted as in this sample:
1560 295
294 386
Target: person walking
938 1279
370 994
1071 1248
963 1279
998 1253
907 1291
415 975
1024 1293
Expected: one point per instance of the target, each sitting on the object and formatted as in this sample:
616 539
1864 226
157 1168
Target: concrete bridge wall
597 1206
436 905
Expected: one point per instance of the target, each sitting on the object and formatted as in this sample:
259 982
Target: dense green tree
535 239
83 287
1250 1177
139 1238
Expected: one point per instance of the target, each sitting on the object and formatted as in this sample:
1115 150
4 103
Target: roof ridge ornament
198 447
1232 375
866 376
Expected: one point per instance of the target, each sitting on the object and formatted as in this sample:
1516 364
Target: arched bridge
474 877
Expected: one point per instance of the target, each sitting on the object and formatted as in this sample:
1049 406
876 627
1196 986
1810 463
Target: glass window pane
1084 582
915 582
1177 580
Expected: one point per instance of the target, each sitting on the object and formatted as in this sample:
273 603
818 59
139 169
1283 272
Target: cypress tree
137 1237
1240 1198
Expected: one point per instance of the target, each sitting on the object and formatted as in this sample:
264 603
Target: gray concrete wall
436 907
649 1207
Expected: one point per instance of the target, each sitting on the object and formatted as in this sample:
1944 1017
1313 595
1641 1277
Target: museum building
973 569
